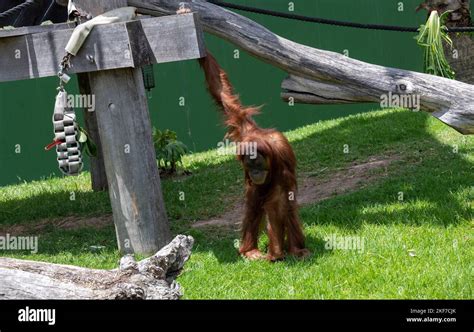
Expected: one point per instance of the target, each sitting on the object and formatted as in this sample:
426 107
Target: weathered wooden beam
22 31
97 7
450 101
123 120
124 124
97 163
151 278
120 45
306 91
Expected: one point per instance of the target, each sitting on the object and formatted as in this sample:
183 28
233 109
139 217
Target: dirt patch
313 189
231 218
67 223
352 178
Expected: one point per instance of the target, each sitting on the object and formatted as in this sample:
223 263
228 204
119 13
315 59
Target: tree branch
450 101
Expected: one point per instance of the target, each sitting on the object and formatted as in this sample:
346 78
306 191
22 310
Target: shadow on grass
92 248
421 188
224 250
430 178
53 205
424 190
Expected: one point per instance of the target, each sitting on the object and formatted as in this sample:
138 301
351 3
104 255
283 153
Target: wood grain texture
124 126
22 31
450 101
307 91
97 166
152 278
180 39
113 46
130 160
97 7
39 55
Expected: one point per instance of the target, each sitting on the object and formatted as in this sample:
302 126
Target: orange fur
272 198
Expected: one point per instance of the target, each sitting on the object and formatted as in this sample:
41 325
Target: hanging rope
17 9
327 21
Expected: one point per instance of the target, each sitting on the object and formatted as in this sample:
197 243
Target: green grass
418 247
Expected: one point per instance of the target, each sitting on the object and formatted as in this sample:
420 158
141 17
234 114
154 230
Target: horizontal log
303 90
152 278
36 52
450 101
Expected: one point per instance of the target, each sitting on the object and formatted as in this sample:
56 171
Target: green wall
26 107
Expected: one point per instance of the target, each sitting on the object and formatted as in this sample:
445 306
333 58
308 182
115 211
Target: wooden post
112 57
97 166
129 156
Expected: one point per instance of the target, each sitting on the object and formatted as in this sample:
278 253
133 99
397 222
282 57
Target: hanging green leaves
431 37
87 145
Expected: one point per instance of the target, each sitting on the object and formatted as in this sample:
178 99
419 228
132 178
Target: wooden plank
38 55
98 7
183 38
113 46
450 101
35 29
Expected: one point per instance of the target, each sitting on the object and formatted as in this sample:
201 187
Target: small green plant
87 145
431 38
169 151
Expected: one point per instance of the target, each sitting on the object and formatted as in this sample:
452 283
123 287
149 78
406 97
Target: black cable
17 9
327 21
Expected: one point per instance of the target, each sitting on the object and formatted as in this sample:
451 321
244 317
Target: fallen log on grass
334 77
151 278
